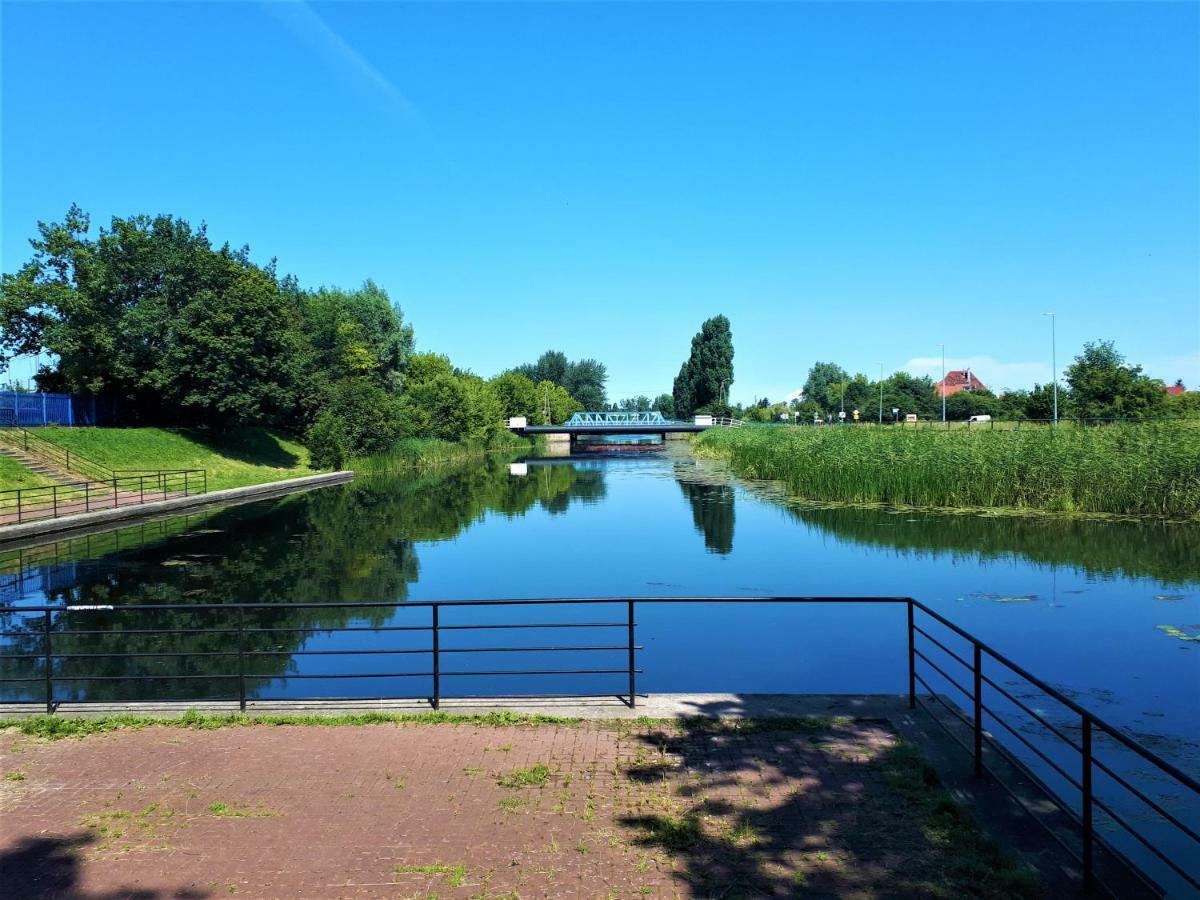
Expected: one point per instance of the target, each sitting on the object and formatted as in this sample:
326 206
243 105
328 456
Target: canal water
1102 610
1106 612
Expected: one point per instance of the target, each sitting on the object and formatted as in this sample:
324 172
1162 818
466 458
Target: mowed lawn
238 458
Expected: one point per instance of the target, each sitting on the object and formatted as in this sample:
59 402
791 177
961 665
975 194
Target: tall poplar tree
704 379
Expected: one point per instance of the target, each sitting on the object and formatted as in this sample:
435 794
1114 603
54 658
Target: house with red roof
959 380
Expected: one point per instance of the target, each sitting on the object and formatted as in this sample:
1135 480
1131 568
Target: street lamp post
1054 362
881 393
942 388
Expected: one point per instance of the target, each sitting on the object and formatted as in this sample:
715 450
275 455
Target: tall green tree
1103 385
517 395
555 405
706 376
824 383
665 404
358 333
583 379
149 311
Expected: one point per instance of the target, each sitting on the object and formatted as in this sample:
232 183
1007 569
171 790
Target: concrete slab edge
38 527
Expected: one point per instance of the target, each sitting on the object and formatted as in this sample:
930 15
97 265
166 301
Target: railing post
241 659
978 710
18 506
632 662
54 499
141 489
185 484
49 662
1086 809
436 700
87 496
116 500
912 660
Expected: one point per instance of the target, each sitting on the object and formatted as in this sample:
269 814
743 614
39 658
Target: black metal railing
48 451
1083 782
996 680
54 500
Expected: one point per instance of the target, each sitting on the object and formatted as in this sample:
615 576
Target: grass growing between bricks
534 776
455 875
59 727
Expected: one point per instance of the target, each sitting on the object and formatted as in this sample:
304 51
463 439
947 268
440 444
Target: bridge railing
618 417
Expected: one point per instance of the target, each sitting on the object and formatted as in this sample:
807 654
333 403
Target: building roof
1175 389
959 380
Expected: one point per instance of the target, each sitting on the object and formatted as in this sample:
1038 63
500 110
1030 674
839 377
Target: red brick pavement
356 811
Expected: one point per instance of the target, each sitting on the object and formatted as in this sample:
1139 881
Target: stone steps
34 464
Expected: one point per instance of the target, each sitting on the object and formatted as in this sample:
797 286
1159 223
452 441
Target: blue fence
28 409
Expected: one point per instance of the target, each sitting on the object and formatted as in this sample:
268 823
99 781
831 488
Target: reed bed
420 453
1136 470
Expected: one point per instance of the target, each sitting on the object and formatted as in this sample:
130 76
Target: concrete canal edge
40 527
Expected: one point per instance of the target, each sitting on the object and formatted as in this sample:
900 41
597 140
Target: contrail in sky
307 24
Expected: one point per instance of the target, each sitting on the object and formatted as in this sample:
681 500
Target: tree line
1099 384
189 334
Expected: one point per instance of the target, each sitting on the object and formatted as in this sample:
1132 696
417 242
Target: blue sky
853 182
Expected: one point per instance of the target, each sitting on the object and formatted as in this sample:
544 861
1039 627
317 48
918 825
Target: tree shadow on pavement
818 807
51 868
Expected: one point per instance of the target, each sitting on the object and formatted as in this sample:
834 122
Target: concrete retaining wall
11 533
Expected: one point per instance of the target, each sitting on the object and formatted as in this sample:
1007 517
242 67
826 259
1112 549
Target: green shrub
359 418
326 441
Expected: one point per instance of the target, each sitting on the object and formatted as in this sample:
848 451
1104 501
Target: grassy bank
238 458
1136 470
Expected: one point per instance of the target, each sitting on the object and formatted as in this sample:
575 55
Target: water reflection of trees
711 499
1165 553
346 544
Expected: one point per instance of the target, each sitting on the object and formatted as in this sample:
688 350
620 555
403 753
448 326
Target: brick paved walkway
459 811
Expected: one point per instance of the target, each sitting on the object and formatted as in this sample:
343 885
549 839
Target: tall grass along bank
420 453
1138 470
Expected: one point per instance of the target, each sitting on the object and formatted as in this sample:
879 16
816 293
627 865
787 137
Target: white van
979 419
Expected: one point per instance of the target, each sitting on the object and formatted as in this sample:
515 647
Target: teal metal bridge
621 423
618 418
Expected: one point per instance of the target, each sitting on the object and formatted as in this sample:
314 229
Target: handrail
69 460
56 500
1089 724
244 619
